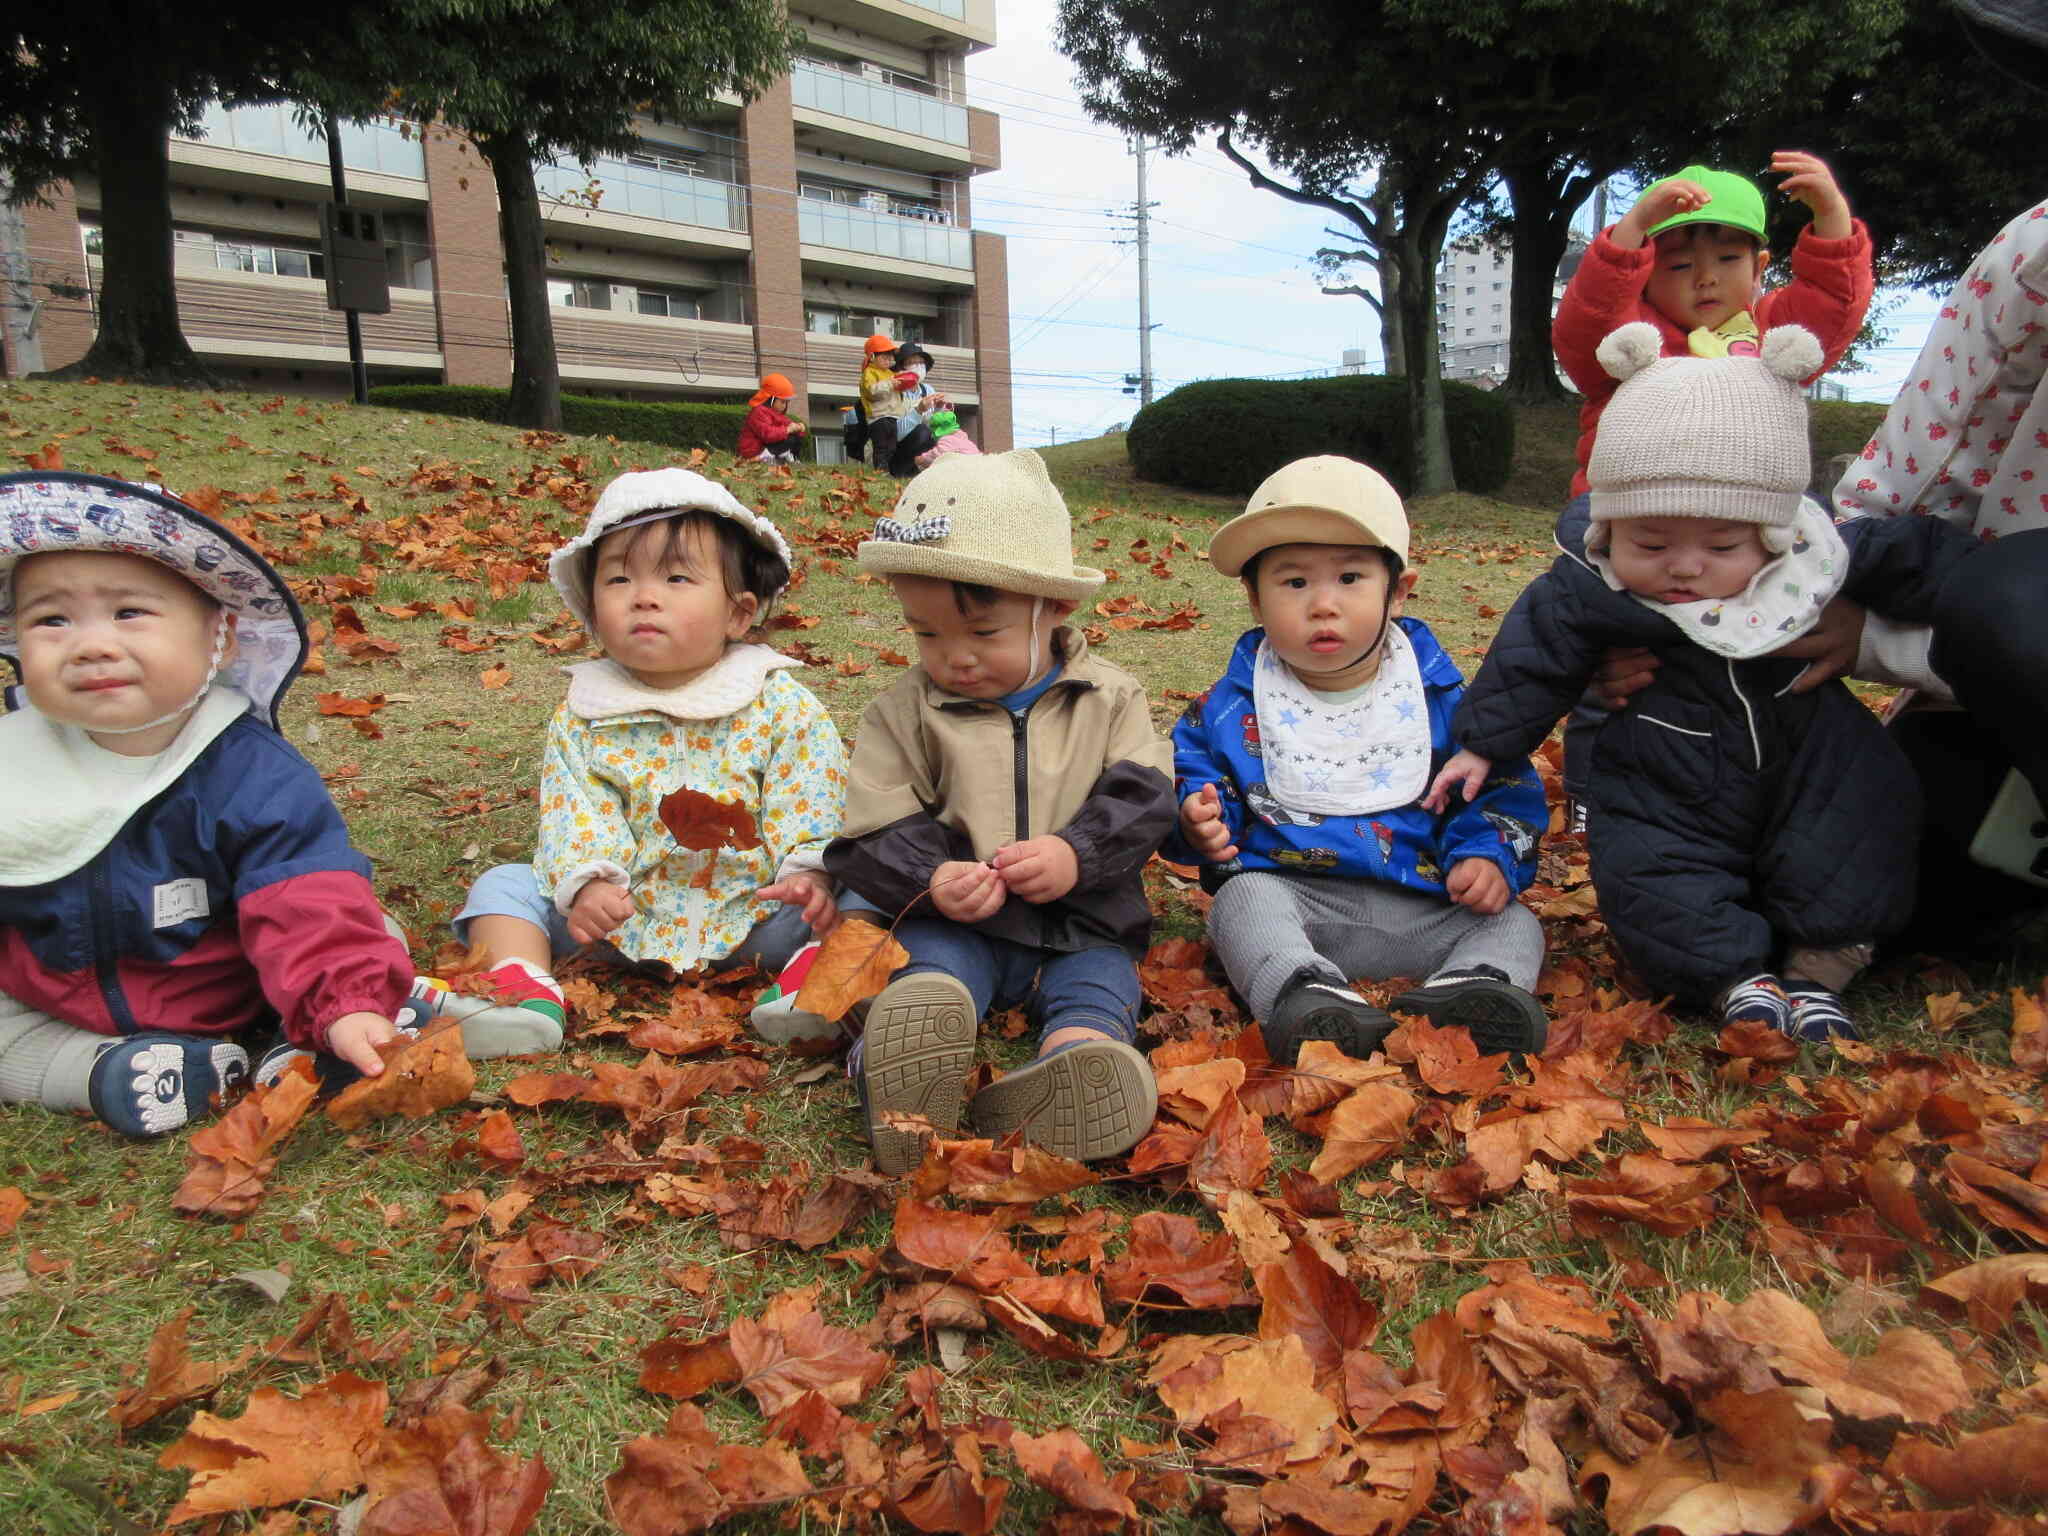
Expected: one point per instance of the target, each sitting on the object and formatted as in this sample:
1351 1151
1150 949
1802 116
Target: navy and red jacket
289 926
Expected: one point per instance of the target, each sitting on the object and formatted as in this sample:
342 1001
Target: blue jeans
513 890
1088 988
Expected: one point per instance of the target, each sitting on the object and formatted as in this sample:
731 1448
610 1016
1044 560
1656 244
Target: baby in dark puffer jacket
1755 840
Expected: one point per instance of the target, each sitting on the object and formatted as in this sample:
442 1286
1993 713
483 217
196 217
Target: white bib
68 796
1781 603
1358 758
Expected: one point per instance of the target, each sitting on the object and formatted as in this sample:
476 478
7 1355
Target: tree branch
1355 212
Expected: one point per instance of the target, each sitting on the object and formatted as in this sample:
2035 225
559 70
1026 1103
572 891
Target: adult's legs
1991 647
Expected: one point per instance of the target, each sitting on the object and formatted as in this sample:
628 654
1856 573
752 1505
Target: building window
197 248
1498 286
1496 308
580 292
661 301
1471 289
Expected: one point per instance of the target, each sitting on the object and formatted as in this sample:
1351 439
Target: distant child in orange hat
769 436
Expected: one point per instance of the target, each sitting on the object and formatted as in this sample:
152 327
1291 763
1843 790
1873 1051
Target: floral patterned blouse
615 749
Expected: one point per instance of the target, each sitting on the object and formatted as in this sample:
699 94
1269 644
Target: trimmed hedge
1229 434
708 424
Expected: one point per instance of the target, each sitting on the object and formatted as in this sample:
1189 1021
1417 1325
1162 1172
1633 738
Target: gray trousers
1267 926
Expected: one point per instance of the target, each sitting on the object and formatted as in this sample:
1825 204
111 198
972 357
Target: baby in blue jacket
1300 774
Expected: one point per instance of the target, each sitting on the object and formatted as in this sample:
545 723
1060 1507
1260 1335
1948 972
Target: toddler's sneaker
334 1073
1088 1099
525 1014
1311 1007
153 1083
914 1058
1817 1013
1500 1015
1760 999
776 1017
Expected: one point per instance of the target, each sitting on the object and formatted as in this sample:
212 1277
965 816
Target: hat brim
890 557
1269 527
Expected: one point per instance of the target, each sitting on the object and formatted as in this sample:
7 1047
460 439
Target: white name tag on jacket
179 901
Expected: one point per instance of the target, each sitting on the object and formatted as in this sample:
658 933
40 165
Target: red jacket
764 425
1829 291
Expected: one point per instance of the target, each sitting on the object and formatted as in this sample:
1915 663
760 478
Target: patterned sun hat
62 512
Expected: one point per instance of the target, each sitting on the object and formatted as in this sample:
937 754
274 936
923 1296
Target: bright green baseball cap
1732 200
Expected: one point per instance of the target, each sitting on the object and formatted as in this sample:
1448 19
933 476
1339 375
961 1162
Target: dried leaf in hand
700 823
419 1077
232 1157
855 962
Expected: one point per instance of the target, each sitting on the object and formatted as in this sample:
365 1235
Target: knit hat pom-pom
1628 351
1792 351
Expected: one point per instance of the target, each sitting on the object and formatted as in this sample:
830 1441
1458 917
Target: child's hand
1478 884
1040 869
966 891
1466 768
812 892
354 1037
1661 202
798 428
1808 179
598 909
1624 671
1203 828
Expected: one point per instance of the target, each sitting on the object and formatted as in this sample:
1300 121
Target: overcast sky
1232 290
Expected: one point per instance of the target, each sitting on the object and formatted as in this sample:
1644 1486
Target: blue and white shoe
154 1083
1760 999
1818 1014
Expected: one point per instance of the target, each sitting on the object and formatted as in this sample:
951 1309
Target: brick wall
775 268
992 340
65 327
469 263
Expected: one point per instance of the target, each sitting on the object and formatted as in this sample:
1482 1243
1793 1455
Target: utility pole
1144 285
1140 383
359 375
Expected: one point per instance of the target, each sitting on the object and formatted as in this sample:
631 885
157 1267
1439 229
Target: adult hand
1478 884
1808 179
1040 869
354 1037
810 891
1467 770
598 909
1664 200
1829 649
1623 672
967 891
1203 828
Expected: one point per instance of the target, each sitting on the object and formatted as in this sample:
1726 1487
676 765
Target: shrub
685 424
1229 434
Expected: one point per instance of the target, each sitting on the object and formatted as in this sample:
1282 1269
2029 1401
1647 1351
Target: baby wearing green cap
1689 258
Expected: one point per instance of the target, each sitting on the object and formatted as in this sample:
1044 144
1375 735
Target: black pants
909 444
882 440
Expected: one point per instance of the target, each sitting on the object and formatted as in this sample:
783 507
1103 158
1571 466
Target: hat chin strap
220 646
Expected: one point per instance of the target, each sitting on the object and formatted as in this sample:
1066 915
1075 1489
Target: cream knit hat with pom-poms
1714 437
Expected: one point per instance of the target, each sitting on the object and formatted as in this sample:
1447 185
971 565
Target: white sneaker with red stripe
777 1018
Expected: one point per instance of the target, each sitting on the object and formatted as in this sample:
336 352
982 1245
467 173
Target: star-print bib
1356 758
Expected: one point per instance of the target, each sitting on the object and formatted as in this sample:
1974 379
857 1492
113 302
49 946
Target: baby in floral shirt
671 574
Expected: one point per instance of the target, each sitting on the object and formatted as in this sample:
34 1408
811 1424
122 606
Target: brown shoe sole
1093 1100
919 1046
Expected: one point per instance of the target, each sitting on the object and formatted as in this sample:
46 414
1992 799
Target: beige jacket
937 777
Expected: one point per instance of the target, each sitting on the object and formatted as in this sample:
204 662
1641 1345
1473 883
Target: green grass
447 791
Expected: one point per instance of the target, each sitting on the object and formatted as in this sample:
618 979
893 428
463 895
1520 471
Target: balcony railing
956 9
376 146
825 89
648 191
883 234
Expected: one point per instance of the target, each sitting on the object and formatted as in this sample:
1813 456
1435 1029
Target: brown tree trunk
1393 345
1542 226
1430 438
139 337
536 374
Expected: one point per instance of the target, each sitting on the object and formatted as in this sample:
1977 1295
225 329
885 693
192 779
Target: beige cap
1324 500
992 520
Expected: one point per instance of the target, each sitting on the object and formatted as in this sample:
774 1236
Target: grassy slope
441 795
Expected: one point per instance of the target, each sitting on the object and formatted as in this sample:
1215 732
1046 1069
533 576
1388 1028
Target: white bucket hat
65 512
647 496
992 520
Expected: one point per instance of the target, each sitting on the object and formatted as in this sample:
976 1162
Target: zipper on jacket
1020 769
103 952
1755 746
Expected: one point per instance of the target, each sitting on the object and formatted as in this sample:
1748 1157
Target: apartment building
775 236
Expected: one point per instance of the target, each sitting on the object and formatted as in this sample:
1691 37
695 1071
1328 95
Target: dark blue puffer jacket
1733 817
